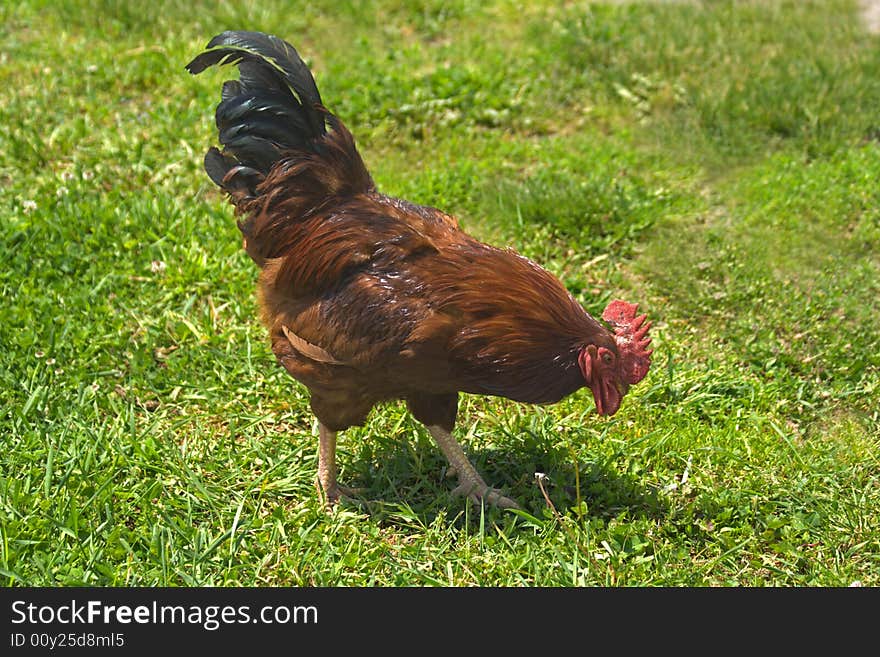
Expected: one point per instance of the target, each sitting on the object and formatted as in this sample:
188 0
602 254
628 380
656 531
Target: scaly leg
470 483
333 492
327 464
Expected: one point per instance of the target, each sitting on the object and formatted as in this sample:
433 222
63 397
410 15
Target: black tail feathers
273 108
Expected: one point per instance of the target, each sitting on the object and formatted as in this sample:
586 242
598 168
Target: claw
470 483
339 494
483 493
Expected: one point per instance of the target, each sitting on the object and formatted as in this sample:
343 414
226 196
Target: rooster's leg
470 483
327 464
333 492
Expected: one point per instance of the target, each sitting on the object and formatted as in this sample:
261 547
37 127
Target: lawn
718 162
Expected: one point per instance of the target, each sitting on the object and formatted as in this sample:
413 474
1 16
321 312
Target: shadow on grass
413 475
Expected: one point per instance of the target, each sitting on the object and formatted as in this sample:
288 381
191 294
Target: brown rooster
369 298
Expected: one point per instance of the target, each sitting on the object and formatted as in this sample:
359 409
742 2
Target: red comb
631 335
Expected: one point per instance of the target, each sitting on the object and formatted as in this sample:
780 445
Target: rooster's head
610 369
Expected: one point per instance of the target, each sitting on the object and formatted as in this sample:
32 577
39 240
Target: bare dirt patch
871 14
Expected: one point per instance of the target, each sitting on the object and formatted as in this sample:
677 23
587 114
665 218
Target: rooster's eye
607 358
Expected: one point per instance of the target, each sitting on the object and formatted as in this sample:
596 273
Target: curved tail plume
274 107
284 154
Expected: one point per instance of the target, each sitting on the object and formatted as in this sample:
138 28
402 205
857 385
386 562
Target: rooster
369 298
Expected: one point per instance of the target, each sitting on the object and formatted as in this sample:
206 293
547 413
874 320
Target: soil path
871 14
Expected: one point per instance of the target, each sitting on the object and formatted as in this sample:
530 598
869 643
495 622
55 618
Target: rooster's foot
326 480
470 483
480 493
336 494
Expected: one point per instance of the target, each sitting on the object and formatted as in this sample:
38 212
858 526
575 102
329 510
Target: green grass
717 162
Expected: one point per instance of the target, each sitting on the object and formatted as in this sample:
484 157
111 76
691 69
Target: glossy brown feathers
411 304
370 298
